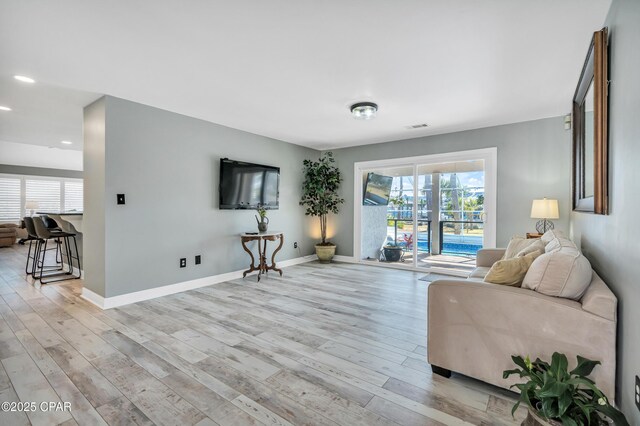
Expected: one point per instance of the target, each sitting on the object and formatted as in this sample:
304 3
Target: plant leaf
618 418
568 421
585 367
559 365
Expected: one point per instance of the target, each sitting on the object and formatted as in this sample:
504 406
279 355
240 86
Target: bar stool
35 244
45 235
32 237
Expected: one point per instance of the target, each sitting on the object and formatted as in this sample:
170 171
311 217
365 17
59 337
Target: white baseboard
93 297
152 293
297 260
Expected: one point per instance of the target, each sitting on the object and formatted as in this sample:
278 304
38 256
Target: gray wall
93 220
167 165
39 171
612 242
533 162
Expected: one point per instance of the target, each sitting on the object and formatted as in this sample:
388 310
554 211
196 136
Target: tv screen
377 190
247 185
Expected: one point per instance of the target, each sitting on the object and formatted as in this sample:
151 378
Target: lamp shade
31 205
545 209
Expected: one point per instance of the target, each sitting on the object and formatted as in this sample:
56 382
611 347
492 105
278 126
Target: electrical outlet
295 245
183 262
120 198
198 259
638 392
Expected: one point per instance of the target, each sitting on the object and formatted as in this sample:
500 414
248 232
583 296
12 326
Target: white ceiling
289 69
41 114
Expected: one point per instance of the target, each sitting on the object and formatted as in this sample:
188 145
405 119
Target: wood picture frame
590 130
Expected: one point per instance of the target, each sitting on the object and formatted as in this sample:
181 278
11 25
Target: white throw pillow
558 244
563 273
551 234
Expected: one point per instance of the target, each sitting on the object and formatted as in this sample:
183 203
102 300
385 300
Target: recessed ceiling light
364 110
66 142
24 79
4 108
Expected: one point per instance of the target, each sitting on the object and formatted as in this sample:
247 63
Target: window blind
45 192
9 199
73 200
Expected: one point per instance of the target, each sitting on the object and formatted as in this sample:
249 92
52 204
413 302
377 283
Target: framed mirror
590 131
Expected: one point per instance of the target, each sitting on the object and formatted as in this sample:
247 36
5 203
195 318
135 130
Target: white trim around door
488 155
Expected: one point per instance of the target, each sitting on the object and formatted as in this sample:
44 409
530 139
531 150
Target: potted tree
556 396
320 196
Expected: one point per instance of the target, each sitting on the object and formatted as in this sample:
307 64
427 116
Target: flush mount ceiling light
4 108
364 110
24 79
66 142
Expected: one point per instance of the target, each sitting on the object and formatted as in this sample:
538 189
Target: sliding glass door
426 213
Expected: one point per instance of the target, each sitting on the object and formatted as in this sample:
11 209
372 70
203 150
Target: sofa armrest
475 327
487 257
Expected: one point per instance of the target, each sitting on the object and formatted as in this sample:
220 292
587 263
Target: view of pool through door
432 212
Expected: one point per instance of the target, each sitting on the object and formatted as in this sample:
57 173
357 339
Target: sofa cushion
511 271
562 273
479 272
516 245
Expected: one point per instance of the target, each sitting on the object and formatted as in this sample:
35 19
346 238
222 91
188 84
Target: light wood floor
324 345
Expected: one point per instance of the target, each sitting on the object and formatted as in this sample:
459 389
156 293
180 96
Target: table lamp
544 209
31 206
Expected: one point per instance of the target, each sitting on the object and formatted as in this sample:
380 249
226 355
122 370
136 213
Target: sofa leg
441 371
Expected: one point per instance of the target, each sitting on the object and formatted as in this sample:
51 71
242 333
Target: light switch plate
120 198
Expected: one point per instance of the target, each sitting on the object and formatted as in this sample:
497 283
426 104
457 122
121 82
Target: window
21 194
73 200
10 208
46 193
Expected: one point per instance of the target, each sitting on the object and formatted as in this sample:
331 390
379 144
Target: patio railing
455 244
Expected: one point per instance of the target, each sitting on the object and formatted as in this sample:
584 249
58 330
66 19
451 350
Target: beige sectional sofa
8 234
474 327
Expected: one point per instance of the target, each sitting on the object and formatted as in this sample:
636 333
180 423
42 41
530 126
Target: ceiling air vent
417 126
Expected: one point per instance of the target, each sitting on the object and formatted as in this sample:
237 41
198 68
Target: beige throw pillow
516 245
511 271
538 245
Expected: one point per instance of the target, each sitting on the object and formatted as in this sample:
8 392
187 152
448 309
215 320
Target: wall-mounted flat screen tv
248 185
377 190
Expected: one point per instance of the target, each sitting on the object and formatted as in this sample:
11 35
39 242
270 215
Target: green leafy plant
322 180
262 212
554 393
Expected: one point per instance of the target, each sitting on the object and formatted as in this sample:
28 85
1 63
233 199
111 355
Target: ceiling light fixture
24 79
66 142
4 108
364 110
